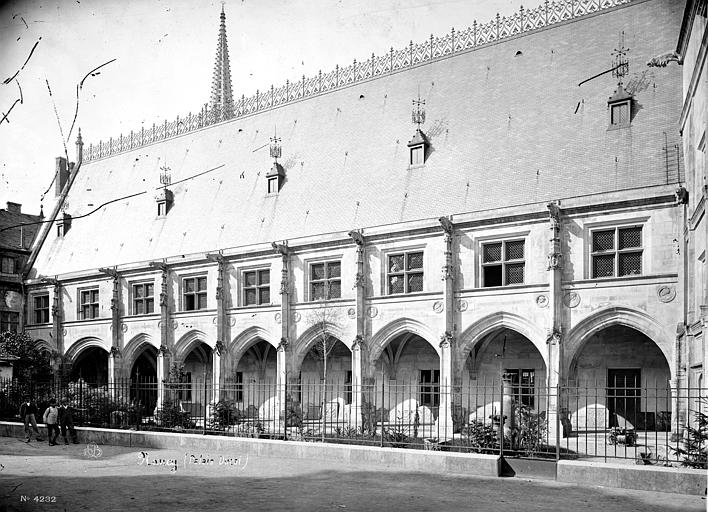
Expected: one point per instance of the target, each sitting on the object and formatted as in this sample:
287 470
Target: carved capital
358 237
281 249
163 350
447 272
681 195
447 225
554 337
357 343
283 345
115 352
447 340
555 261
359 280
219 347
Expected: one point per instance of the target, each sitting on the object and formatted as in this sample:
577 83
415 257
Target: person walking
66 422
28 411
51 418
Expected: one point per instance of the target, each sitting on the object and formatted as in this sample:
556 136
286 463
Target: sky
155 60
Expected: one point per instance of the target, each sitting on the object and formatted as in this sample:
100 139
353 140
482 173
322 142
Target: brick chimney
14 207
62 175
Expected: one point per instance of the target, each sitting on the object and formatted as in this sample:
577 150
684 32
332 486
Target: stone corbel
283 345
219 347
358 342
554 337
447 340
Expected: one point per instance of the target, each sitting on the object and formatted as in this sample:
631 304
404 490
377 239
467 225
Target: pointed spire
221 97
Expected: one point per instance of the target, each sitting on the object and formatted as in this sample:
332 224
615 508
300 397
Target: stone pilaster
445 427
283 366
554 338
164 352
57 329
449 377
222 295
360 367
115 366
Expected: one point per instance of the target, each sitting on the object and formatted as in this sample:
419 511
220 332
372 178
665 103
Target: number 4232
39 499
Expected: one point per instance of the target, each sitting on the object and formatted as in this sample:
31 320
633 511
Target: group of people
54 417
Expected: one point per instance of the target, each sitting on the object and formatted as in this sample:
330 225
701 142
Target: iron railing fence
647 424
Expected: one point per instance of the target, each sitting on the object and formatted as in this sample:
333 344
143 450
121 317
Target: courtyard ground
36 476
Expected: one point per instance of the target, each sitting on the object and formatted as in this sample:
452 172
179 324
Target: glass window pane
395 263
630 264
149 305
202 284
94 311
138 291
335 289
318 271
515 250
317 290
603 266
630 237
515 273
138 305
94 295
250 296
415 282
189 285
149 290
264 295
334 269
264 277
189 302
603 240
395 284
492 275
249 279
202 301
491 252
415 260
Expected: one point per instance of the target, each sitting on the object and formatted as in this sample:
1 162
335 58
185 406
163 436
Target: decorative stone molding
372 311
282 345
296 317
542 301
163 350
219 347
278 318
447 340
351 312
554 336
115 352
438 306
124 328
666 293
357 343
555 261
571 299
462 305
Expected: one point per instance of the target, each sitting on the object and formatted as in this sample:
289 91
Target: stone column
163 354
449 380
221 325
282 378
554 405
360 368
115 366
445 427
57 331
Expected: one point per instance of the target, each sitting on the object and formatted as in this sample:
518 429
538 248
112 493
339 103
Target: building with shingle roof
528 211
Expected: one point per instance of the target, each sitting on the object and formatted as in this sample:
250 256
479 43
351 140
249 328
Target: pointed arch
187 342
245 340
308 338
479 330
395 328
79 346
135 347
618 315
43 345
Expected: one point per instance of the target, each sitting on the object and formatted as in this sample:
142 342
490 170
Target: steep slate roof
505 129
10 238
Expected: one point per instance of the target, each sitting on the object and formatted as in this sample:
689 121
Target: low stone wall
647 478
410 460
643 478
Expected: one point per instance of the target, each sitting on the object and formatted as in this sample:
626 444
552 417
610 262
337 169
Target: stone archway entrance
91 365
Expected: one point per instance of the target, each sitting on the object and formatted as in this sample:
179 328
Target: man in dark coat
28 410
66 422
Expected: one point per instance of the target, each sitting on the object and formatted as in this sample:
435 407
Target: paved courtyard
36 476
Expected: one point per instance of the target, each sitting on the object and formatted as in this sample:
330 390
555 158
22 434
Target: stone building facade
521 214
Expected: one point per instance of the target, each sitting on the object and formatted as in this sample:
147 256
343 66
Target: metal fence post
558 422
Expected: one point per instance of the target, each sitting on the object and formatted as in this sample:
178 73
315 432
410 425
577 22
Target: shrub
172 415
480 437
530 430
224 414
292 412
695 450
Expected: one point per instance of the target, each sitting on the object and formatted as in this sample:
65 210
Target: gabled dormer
620 106
418 149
